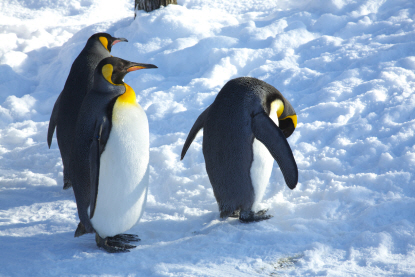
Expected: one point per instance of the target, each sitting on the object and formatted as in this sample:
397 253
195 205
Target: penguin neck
94 46
102 85
128 97
276 109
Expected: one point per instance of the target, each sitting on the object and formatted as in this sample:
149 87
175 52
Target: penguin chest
261 166
124 172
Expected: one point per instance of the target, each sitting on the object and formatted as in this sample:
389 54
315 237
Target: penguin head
114 69
107 40
274 102
286 115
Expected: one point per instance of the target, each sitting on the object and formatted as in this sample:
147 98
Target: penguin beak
116 40
138 66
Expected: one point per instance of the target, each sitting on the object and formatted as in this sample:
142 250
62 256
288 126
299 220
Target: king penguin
110 157
244 130
79 82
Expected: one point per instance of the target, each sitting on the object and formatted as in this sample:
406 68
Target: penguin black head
107 40
273 101
286 114
288 121
114 69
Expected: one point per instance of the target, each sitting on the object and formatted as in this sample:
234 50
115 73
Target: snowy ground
348 68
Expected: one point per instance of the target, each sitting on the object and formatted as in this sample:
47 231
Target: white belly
124 172
261 167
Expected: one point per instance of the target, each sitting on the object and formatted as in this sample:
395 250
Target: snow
348 69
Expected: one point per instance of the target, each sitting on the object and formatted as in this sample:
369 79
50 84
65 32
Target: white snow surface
347 67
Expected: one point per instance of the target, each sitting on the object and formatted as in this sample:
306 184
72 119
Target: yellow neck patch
104 42
107 72
277 106
128 97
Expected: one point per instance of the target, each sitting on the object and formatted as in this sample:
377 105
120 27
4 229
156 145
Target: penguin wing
265 130
200 121
99 140
53 120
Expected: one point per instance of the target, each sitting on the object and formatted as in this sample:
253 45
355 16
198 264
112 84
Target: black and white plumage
79 82
241 138
110 157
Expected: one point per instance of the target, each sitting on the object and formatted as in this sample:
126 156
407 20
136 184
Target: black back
237 116
93 124
79 82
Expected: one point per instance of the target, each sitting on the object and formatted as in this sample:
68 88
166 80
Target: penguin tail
200 121
80 230
67 186
51 130
52 121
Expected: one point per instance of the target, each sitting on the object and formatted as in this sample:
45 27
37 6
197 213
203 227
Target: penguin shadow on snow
161 227
55 246
188 233
27 197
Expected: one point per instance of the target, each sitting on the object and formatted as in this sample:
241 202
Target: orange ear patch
104 42
107 72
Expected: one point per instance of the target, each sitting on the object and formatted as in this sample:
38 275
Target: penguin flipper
98 143
53 120
200 121
272 137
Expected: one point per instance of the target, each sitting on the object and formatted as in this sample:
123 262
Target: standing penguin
110 156
244 130
79 82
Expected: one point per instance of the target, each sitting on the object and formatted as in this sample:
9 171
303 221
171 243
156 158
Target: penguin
110 157
78 83
244 130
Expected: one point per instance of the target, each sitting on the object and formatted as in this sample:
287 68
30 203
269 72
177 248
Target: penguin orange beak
118 40
138 66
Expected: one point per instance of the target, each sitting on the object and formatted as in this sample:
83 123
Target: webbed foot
250 216
116 244
235 214
125 238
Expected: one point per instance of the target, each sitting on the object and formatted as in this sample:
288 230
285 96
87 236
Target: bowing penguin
244 131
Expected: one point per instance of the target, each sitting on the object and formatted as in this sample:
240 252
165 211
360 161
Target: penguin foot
116 244
235 214
126 238
66 183
250 216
